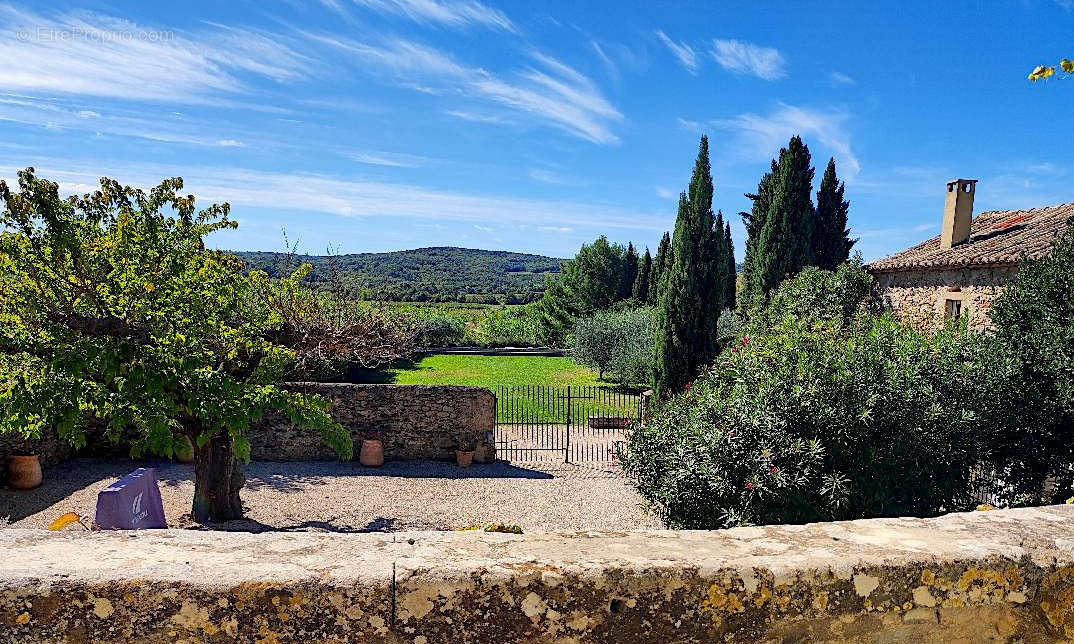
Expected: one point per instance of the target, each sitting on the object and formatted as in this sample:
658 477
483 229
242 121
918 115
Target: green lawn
494 371
592 397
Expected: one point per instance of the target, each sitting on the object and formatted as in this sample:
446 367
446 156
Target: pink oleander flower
688 386
745 340
749 486
774 470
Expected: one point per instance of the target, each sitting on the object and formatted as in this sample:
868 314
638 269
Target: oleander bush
817 421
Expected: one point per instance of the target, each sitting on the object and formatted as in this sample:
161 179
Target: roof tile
996 237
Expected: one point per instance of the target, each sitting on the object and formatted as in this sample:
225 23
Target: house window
952 309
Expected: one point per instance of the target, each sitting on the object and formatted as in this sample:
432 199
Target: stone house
963 269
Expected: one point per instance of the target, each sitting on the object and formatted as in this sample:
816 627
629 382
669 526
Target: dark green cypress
719 259
831 241
785 244
630 271
659 265
690 290
731 283
752 293
641 284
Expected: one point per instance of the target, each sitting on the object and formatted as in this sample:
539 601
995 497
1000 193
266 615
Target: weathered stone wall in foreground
418 422
1001 576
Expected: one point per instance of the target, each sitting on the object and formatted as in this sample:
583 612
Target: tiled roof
996 237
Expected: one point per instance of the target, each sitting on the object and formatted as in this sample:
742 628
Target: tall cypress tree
785 244
659 266
731 284
641 284
688 302
630 271
752 292
831 240
719 260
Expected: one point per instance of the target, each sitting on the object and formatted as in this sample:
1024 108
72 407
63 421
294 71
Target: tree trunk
218 477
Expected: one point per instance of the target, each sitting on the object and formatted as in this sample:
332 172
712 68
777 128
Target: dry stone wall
918 296
1000 576
417 422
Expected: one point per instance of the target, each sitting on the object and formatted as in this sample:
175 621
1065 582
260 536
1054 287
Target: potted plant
372 452
23 470
464 453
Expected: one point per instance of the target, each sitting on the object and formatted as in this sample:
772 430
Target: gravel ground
346 497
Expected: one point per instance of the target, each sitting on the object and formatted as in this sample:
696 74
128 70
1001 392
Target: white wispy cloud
613 69
389 159
555 229
305 192
475 116
449 13
763 135
484 229
81 53
666 193
548 90
743 57
230 143
923 227
839 78
685 53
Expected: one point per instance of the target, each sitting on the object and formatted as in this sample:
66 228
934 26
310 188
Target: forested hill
426 274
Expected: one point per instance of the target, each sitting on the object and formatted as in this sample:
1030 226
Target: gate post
567 449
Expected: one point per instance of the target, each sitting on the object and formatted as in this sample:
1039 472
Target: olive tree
111 307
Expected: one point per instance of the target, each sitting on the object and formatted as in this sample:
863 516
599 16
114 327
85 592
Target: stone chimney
957 212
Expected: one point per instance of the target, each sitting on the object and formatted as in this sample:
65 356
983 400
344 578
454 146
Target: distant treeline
439 274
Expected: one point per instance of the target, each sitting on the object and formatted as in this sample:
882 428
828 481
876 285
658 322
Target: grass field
494 371
526 374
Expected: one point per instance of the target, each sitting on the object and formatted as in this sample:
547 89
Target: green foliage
440 330
818 294
659 265
1033 406
817 420
784 244
517 326
640 292
423 275
752 295
112 308
619 342
592 281
693 285
731 275
831 240
631 266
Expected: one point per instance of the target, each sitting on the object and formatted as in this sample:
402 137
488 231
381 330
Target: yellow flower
149 288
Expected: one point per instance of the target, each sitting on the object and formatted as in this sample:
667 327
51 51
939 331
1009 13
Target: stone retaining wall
417 421
1000 576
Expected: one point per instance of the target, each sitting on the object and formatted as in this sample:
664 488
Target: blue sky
371 125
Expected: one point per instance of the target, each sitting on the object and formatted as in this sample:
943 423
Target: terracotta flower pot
372 454
465 459
23 472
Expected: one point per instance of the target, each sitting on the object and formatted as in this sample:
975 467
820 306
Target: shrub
617 341
817 421
504 326
1033 409
439 330
818 294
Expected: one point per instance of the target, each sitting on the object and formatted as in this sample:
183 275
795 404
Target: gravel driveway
346 497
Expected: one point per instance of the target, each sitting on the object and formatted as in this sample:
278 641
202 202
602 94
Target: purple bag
131 503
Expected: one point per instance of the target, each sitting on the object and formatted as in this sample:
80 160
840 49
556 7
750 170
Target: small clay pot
372 453
23 472
464 459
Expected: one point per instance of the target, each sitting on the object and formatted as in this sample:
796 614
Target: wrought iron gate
570 424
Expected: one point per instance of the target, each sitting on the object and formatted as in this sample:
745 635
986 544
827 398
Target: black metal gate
570 424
